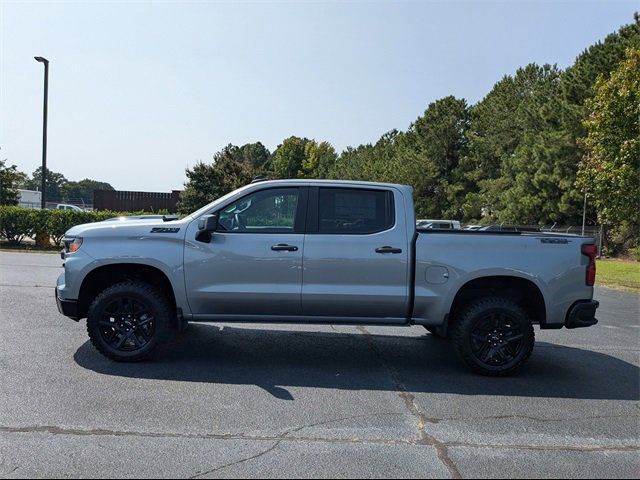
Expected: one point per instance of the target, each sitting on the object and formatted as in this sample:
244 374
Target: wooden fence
127 201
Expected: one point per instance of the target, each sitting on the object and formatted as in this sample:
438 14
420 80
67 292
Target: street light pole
584 213
43 202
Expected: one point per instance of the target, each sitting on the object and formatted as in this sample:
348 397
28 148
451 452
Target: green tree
206 182
82 191
299 157
257 155
610 171
504 129
318 159
430 154
352 162
492 138
599 59
254 155
55 183
288 157
377 162
425 157
10 180
542 168
578 85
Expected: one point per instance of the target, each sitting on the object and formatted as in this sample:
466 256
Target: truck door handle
283 247
388 249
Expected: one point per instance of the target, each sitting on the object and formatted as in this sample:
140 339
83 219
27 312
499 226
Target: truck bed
447 260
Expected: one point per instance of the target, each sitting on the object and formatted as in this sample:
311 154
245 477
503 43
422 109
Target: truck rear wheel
125 321
493 336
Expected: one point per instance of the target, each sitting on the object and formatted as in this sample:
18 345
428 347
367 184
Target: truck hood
127 227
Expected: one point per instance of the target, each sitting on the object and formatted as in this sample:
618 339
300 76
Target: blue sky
139 91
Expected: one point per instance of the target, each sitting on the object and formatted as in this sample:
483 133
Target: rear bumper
68 308
582 314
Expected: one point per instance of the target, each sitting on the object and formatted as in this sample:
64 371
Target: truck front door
252 266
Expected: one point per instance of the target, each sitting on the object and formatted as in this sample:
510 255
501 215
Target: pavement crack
52 430
550 448
424 438
12 470
537 419
410 404
243 460
281 438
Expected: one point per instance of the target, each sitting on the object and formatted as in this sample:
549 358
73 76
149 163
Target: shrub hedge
18 223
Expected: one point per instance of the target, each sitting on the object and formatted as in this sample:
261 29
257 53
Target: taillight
590 250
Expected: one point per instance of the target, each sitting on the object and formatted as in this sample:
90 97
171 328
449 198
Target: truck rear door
356 255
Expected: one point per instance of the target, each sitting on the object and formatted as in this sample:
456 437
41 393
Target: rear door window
354 210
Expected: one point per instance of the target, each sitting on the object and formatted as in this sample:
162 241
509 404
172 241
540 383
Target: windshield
217 201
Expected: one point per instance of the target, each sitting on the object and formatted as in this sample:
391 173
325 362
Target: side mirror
208 223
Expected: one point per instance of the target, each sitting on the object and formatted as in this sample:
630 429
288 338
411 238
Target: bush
635 251
17 223
59 221
624 239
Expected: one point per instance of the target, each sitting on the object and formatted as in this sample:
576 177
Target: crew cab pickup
324 252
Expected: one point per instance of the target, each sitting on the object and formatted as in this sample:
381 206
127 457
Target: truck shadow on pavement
276 359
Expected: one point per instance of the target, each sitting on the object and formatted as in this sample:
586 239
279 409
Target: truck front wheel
493 336
125 320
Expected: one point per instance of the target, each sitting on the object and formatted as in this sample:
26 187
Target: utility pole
43 203
584 213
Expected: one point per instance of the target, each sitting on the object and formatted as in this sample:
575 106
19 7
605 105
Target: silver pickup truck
324 252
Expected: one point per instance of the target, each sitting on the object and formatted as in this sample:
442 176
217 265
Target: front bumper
582 314
68 308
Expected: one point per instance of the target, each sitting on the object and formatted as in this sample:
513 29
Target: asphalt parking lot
267 401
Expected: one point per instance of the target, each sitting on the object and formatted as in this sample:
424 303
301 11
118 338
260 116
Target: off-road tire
141 294
470 326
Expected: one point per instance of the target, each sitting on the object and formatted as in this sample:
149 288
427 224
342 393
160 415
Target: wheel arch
104 276
522 290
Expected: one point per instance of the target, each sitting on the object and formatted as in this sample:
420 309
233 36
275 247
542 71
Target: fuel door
437 275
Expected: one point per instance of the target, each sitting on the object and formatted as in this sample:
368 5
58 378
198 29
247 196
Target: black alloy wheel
126 320
497 339
127 324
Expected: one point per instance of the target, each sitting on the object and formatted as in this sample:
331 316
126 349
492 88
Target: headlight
72 244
